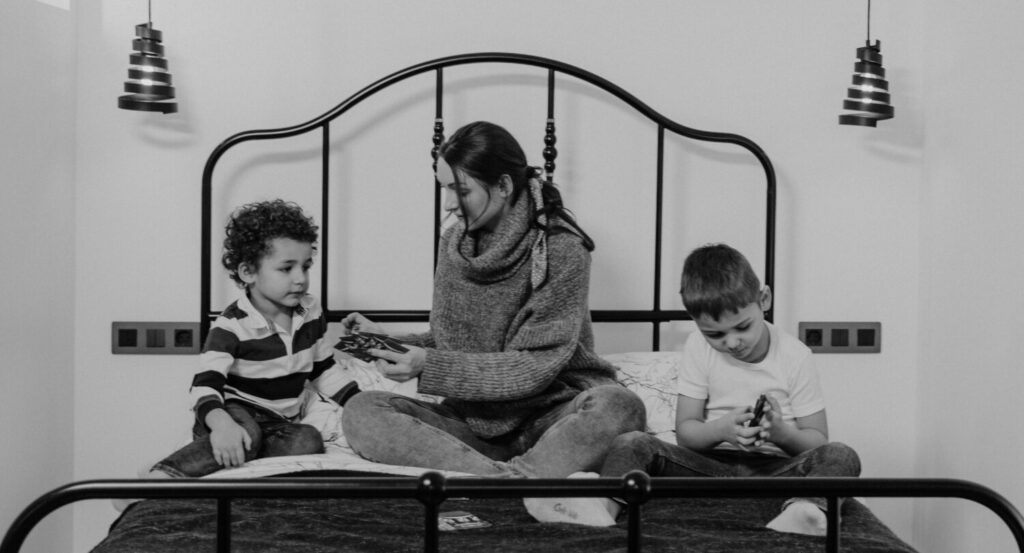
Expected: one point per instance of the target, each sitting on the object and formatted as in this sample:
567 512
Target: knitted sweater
499 350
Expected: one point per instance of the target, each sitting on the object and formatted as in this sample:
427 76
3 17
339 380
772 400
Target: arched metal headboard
656 315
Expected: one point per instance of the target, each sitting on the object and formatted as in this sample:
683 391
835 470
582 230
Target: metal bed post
769 254
438 139
633 528
832 525
550 152
431 492
204 249
325 189
636 490
658 193
223 525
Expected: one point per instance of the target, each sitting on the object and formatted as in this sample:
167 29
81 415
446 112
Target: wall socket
154 338
840 337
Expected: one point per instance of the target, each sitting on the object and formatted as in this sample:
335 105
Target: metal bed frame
431 489
655 316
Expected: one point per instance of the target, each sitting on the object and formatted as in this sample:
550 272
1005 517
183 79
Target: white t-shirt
787 373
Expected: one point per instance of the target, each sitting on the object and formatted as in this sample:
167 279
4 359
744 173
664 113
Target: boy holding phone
722 429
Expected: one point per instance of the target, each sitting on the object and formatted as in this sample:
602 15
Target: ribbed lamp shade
149 83
868 98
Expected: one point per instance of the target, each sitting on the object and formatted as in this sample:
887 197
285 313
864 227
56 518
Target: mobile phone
758 411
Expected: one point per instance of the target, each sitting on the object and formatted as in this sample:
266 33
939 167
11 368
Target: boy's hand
228 439
356 322
772 419
398 366
733 427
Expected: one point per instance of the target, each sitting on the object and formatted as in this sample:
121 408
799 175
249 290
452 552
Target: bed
337 501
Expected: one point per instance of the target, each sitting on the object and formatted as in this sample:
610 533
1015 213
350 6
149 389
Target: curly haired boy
261 351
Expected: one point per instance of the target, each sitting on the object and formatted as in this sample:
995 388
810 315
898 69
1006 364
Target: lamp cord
869 21
149 7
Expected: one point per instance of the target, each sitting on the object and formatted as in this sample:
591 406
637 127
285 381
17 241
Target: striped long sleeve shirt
247 359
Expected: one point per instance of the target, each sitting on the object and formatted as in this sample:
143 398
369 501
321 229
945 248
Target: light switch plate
841 337
154 338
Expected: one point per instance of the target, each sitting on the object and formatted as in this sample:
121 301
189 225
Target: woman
510 346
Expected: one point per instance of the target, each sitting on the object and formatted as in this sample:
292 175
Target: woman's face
480 206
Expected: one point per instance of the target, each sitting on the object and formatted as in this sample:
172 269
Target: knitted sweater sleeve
541 341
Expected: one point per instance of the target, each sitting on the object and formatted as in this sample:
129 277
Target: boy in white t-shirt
734 358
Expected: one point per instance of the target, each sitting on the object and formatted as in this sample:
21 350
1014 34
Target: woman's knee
628 409
361 417
631 441
628 452
356 408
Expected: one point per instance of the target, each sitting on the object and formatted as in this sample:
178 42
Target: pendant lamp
149 83
868 98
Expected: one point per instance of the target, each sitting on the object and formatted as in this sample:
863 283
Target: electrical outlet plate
154 338
841 337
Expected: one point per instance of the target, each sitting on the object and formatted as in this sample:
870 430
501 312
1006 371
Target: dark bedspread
376 525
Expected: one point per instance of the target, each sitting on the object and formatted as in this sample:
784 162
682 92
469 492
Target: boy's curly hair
717 278
253 226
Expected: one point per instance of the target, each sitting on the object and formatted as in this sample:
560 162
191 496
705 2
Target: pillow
652 376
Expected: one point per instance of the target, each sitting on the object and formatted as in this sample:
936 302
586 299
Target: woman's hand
400 366
355 322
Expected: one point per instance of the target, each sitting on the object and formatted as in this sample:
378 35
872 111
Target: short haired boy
261 351
734 358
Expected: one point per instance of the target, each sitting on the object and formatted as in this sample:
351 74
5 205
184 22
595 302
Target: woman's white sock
800 517
589 511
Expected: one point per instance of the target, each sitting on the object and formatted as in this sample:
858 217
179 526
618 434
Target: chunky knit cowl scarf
495 256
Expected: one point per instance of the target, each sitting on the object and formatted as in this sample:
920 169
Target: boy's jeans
571 437
272 436
642 451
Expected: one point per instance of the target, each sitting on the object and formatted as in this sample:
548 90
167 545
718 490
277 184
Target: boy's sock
800 517
589 511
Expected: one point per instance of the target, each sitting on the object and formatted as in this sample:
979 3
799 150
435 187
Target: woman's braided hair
486 151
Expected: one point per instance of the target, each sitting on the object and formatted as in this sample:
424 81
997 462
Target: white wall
37 73
872 223
971 263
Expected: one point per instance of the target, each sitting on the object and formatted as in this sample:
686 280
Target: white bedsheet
336 458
